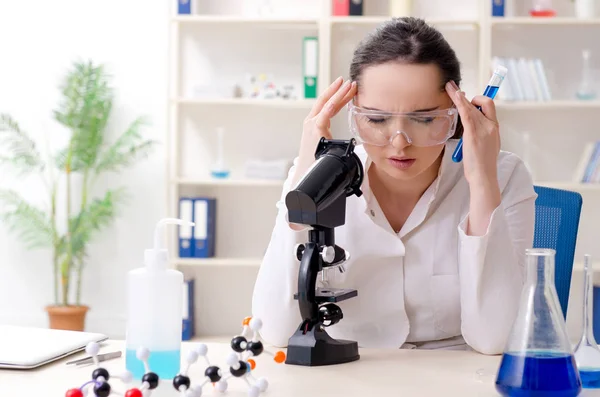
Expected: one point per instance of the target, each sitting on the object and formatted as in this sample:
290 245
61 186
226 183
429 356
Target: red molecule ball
75 393
134 393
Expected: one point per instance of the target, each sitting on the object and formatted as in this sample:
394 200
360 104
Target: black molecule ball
241 371
152 380
181 380
100 372
237 342
102 389
213 373
255 348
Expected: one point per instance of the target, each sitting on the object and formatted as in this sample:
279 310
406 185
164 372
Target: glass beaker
586 91
587 353
538 359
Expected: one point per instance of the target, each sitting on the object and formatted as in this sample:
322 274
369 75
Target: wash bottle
154 311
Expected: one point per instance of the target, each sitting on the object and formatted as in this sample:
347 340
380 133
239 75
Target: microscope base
316 348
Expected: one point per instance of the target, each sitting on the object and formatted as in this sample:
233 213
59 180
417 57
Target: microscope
319 200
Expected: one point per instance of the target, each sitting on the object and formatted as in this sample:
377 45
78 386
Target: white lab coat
430 282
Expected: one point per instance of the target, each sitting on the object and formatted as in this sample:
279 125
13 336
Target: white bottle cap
157 258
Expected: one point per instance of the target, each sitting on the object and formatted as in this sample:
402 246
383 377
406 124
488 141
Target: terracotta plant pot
71 318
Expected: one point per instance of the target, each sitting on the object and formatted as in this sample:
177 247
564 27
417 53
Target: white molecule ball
192 357
202 349
142 353
126 376
262 384
194 392
232 360
221 386
92 349
256 324
197 390
254 391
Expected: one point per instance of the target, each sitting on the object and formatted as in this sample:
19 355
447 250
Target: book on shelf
588 169
526 80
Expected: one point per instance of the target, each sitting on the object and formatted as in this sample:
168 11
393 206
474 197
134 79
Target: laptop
32 347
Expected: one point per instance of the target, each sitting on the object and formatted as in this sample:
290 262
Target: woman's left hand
481 137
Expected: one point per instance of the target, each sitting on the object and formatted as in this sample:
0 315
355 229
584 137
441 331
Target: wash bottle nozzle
158 257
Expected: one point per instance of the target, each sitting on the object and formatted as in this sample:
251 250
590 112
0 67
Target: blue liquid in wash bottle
538 375
164 363
154 313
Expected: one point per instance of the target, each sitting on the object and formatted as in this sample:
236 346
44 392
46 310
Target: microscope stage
332 295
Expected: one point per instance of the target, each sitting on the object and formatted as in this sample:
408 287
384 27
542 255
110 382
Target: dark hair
409 40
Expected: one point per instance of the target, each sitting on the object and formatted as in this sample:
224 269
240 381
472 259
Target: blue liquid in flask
590 378
166 364
538 375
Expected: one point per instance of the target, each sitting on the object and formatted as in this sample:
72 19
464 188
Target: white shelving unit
219 45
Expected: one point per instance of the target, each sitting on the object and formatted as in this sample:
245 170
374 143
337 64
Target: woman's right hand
317 123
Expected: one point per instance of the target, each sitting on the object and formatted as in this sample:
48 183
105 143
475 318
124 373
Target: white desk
378 373
421 373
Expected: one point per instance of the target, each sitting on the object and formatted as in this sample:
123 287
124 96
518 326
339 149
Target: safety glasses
418 128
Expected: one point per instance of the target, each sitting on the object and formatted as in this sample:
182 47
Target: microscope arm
307 280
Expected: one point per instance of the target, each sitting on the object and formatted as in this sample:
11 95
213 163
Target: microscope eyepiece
319 199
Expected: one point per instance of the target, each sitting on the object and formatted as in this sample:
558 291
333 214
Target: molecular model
100 377
239 361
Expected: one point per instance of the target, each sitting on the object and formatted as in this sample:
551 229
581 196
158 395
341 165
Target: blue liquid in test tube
490 91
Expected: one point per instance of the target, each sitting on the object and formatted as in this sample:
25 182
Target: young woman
437 248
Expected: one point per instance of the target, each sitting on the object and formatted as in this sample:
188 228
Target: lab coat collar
448 174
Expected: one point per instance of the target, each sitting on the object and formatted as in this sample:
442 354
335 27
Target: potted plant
84 111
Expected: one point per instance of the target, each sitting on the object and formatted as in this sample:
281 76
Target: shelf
561 21
573 186
237 19
246 262
375 20
278 103
549 105
234 182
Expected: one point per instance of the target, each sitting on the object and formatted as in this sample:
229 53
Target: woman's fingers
330 108
487 106
465 108
347 98
325 96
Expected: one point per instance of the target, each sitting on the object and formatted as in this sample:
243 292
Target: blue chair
557 214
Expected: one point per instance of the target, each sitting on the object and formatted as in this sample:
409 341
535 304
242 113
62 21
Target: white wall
39 40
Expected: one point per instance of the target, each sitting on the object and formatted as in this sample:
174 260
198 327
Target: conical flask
587 353
538 359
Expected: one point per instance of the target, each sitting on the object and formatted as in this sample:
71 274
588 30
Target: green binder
310 70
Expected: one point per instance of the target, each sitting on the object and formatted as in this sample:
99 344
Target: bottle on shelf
585 9
542 8
587 353
586 90
219 169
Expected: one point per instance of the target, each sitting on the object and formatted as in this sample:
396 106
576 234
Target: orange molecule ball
246 321
252 364
279 357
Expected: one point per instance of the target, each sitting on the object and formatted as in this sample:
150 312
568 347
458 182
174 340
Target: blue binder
188 328
498 8
184 7
186 233
204 229
356 7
